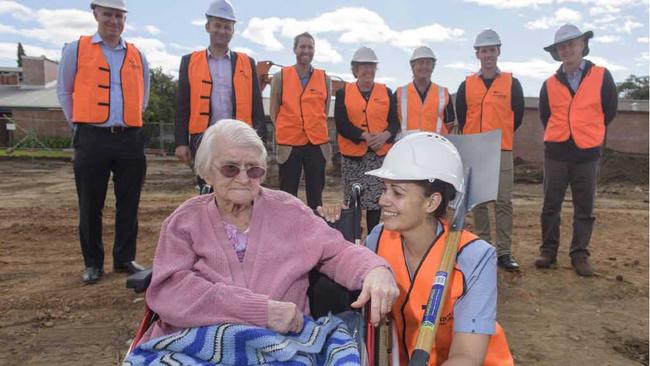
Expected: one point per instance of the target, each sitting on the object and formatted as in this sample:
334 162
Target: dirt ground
550 317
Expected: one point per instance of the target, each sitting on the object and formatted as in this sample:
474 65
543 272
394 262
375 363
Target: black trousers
98 152
311 158
582 177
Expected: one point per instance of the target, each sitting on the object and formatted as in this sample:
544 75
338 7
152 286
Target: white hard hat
113 4
221 9
423 156
422 52
365 54
487 37
568 32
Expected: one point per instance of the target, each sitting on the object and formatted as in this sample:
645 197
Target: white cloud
607 39
605 63
245 50
325 52
56 26
184 48
18 11
630 25
8 51
157 54
153 30
561 16
200 22
511 4
642 39
348 77
354 26
261 31
534 68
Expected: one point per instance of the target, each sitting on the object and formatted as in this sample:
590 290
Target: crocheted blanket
325 341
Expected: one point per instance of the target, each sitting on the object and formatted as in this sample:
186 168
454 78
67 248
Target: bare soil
551 317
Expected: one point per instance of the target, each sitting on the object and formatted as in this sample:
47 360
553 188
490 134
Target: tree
21 53
162 97
634 87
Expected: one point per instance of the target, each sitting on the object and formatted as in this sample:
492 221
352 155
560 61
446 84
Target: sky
166 29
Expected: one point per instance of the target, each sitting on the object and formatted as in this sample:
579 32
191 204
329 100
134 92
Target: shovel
481 155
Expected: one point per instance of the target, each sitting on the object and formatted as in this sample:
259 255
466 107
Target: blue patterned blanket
325 341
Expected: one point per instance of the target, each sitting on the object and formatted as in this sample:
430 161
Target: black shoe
506 262
128 267
92 275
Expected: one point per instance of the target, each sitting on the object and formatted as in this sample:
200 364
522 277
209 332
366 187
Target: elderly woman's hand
379 287
330 212
284 317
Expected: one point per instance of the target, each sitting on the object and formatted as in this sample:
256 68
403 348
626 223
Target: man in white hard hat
575 104
423 105
216 83
299 102
103 87
490 100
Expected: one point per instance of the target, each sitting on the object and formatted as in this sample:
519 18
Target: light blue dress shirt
476 310
575 77
221 96
114 58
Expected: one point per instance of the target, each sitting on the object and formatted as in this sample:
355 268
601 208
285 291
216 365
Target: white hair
237 133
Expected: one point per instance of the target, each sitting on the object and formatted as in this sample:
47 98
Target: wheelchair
324 294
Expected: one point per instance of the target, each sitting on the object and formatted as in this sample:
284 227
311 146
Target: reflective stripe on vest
416 115
301 118
409 307
198 75
369 116
92 85
580 116
490 109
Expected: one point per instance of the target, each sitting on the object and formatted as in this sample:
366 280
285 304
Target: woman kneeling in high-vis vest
421 175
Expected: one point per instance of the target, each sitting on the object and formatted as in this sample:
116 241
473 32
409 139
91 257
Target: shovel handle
437 298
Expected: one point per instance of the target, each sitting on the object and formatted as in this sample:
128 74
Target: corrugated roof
20 97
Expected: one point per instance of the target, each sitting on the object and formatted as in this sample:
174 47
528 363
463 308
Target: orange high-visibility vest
580 116
201 90
408 309
370 116
91 98
301 118
423 116
490 109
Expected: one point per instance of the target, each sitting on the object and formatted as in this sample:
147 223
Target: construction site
550 316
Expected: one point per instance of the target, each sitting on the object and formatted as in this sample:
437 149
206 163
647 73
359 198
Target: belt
112 129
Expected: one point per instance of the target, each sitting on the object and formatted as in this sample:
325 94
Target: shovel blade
481 155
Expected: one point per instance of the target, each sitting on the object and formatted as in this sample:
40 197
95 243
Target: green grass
36 154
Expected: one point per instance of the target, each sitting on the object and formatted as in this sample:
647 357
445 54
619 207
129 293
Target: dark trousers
311 158
581 176
98 152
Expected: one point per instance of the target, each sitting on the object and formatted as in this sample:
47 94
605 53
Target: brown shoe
545 260
582 266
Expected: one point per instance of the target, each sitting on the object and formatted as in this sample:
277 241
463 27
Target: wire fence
38 133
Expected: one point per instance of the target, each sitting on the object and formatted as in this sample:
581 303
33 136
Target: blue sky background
167 29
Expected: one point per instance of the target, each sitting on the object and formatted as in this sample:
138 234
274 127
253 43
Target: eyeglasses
231 171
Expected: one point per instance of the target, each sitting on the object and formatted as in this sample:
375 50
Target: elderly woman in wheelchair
243 254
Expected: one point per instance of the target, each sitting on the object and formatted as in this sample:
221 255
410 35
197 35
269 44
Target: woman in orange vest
366 124
412 237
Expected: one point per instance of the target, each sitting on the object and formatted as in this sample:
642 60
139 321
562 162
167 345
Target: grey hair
238 133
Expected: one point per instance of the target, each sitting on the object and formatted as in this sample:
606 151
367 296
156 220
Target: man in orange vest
575 105
490 100
216 83
299 102
103 87
423 105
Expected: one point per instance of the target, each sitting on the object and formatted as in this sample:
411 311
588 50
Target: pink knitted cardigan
198 280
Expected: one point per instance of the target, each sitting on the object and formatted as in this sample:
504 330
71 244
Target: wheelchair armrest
139 281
